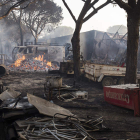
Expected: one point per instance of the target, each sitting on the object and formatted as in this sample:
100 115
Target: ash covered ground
121 121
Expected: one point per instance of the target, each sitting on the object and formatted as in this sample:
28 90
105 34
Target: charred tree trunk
36 39
132 48
21 35
21 32
88 5
19 24
76 50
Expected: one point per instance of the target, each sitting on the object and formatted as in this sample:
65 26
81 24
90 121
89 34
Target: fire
35 67
33 64
40 58
18 61
49 63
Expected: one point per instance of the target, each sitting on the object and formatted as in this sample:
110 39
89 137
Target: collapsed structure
97 45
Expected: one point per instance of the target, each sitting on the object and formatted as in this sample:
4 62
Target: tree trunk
21 35
36 39
76 50
132 49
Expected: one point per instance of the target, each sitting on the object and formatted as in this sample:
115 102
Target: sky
106 17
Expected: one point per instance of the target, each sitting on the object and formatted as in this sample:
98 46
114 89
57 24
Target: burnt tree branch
13 8
69 11
93 3
84 9
96 10
28 4
124 5
5 3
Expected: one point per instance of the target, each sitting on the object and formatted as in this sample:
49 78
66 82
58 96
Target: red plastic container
127 96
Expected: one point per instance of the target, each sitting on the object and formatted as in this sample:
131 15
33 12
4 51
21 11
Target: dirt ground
121 121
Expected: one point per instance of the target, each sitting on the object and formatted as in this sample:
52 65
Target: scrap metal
66 127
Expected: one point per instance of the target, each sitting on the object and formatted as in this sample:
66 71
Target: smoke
96 44
57 32
7 42
10 37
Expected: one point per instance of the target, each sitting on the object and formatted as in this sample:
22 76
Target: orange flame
35 67
49 64
18 61
40 58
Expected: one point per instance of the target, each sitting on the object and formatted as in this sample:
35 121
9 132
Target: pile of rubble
33 65
68 128
32 117
56 122
42 119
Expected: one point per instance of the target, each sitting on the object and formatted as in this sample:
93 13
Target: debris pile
56 122
32 117
68 128
34 64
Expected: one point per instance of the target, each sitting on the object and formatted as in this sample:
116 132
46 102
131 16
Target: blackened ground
121 121
2 129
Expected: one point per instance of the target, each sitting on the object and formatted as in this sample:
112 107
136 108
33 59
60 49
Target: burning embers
19 60
40 58
34 64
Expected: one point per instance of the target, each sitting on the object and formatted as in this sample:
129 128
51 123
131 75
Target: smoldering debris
32 65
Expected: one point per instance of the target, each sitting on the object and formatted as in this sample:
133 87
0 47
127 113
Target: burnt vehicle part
23 50
17 51
50 52
68 67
